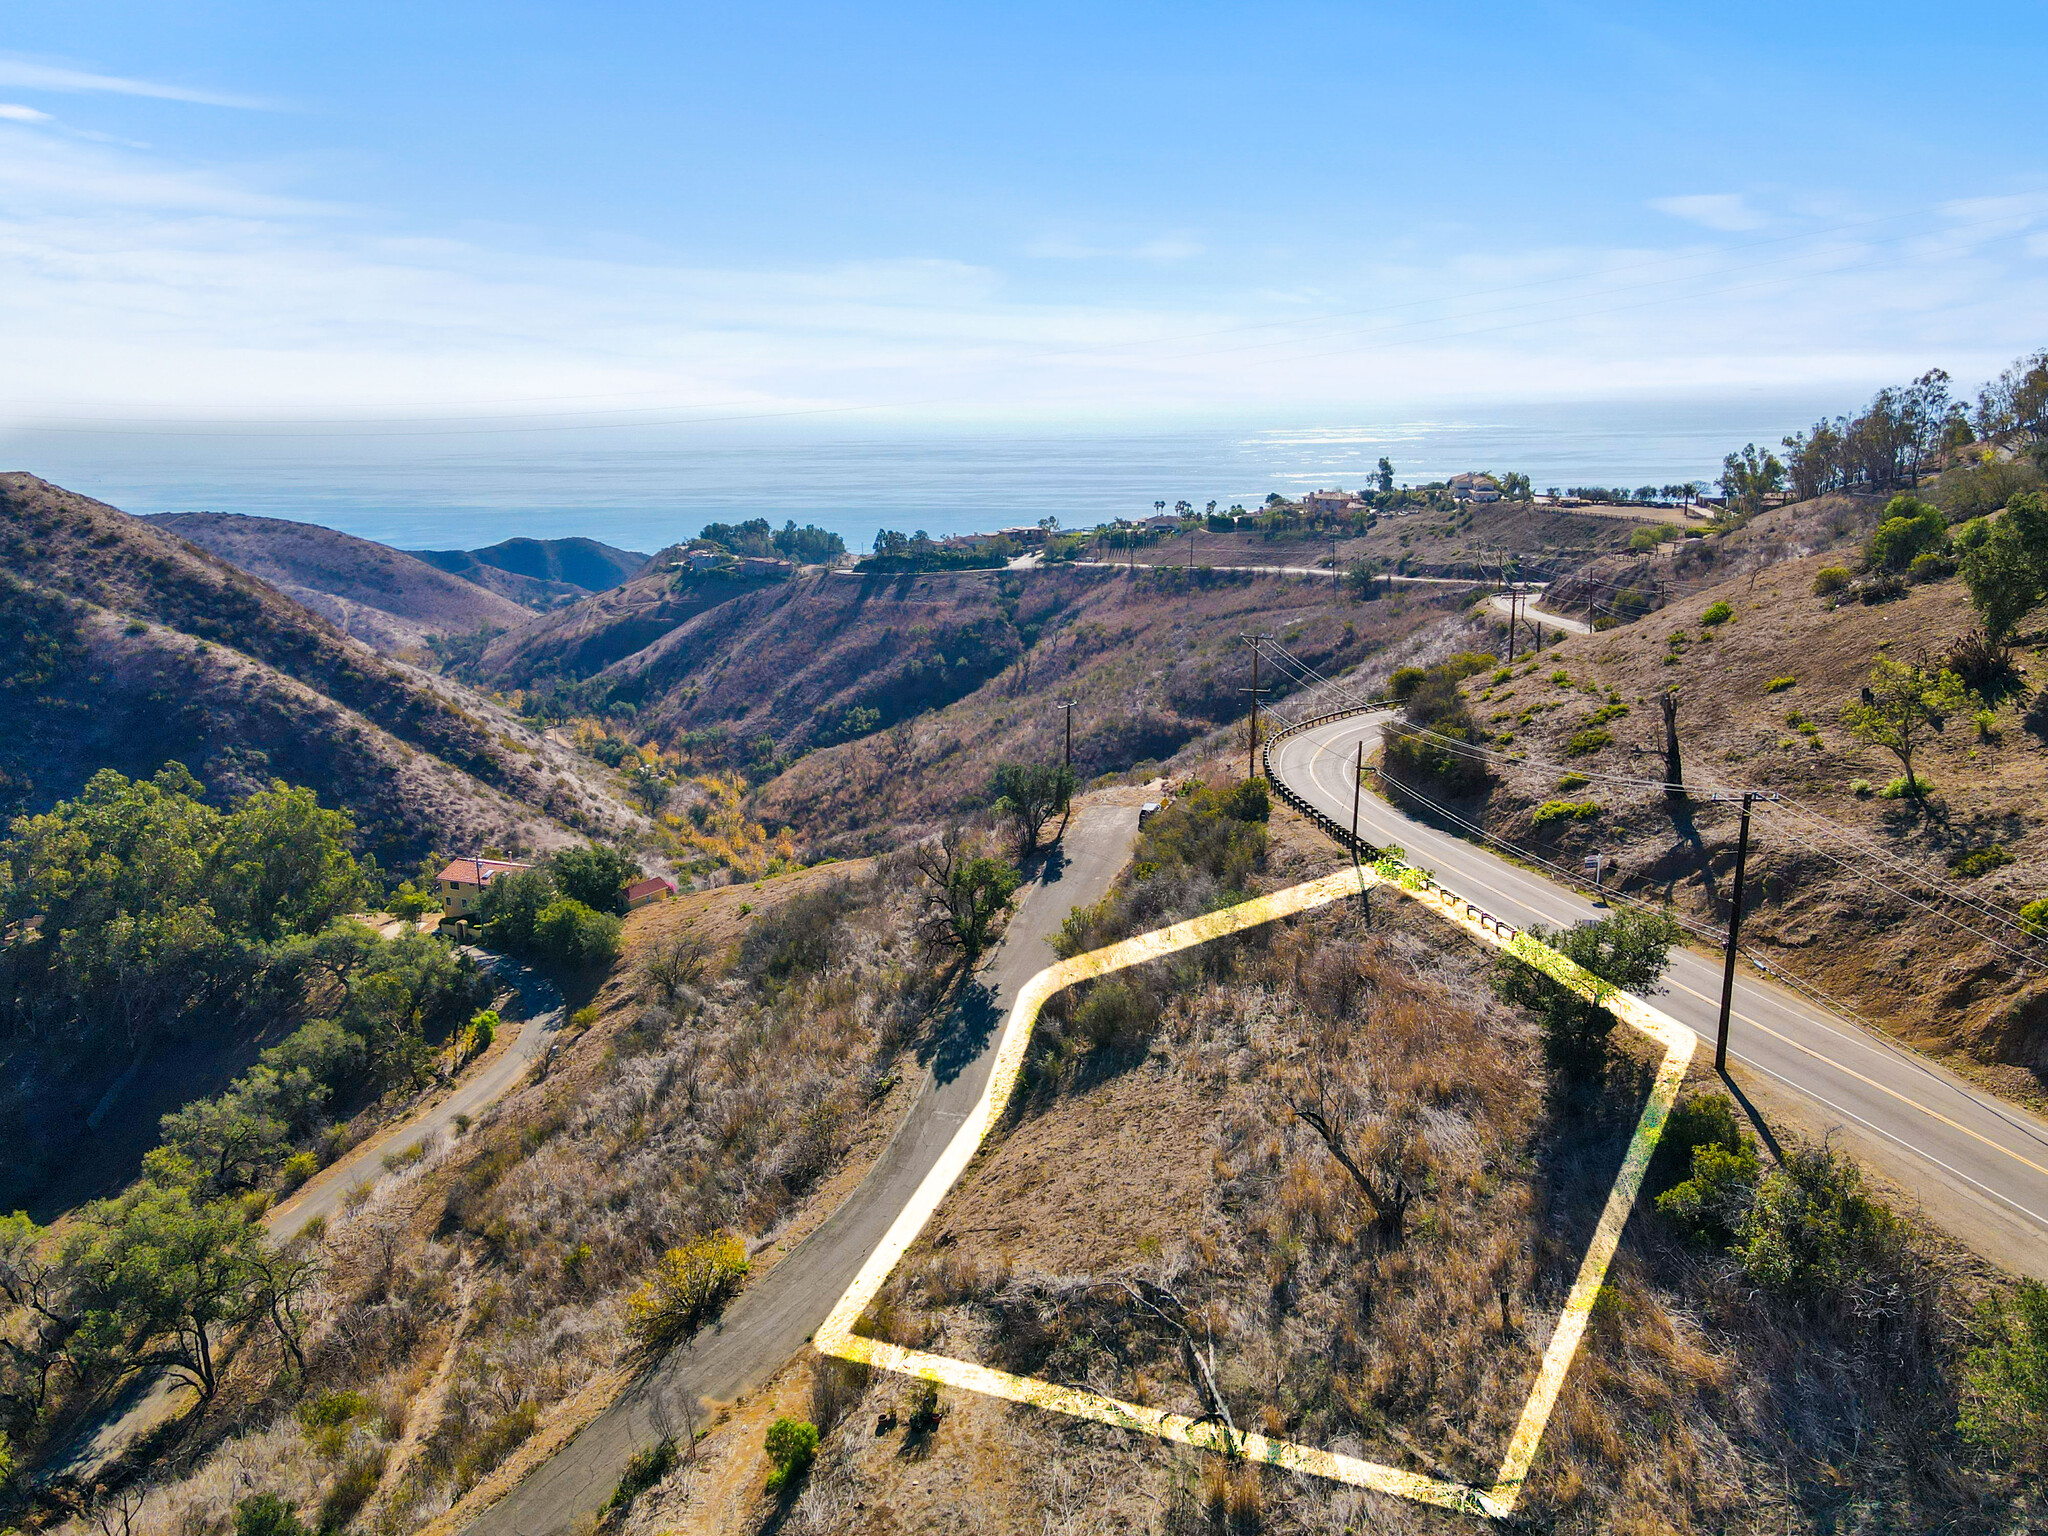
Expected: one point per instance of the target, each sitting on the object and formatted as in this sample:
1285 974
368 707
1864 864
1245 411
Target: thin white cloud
23 74
1164 249
15 112
1727 211
129 282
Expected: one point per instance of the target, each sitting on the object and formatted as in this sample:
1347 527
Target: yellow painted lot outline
1498 1500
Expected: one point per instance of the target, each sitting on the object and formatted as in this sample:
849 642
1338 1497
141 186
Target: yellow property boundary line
836 1337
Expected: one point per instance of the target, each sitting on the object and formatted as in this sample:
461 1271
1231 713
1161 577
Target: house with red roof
654 888
462 882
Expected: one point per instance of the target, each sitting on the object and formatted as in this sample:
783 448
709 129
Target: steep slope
1761 700
539 573
122 645
915 688
585 637
375 593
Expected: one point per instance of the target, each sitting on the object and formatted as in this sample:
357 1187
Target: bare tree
1164 1303
285 1277
1382 1148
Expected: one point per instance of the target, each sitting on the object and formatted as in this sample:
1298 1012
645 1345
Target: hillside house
1474 487
462 882
653 888
1327 503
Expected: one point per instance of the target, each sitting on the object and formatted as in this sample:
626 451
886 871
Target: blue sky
925 213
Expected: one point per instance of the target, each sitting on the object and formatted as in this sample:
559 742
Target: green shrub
1503 675
265 1514
1811 1233
1561 678
1979 861
1780 684
298 1168
2005 1379
1588 741
1860 788
643 1470
688 1283
1565 810
2034 918
1929 565
1717 613
1114 1018
1605 622
1902 786
572 934
1910 527
1571 781
1404 682
1830 579
791 1444
1704 1139
1626 951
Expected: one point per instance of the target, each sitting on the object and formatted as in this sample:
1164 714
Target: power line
1700 789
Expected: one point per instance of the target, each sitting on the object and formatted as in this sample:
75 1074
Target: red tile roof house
463 881
652 889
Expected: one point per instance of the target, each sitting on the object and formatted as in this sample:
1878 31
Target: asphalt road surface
774 1317
1978 1166
147 1403
1535 615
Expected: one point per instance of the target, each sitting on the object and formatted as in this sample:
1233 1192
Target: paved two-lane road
1978 1165
775 1316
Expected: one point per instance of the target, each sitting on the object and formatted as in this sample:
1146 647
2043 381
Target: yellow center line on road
1806 1050
1868 1082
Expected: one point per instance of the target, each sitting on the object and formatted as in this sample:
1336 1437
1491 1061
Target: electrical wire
1473 751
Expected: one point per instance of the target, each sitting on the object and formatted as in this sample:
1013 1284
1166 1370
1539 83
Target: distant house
1474 487
1324 503
653 888
1023 538
462 882
763 565
1161 521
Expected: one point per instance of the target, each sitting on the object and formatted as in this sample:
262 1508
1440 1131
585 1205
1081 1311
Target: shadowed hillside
391 600
124 646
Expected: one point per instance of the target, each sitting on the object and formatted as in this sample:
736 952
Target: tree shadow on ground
965 1034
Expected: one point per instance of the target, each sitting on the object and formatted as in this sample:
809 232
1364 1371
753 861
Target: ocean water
643 487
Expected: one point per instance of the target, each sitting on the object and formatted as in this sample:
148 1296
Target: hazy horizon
642 487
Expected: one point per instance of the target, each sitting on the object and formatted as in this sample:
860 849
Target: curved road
1533 614
774 1317
147 1403
1978 1166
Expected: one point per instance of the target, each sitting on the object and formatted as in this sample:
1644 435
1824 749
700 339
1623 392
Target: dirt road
774 1318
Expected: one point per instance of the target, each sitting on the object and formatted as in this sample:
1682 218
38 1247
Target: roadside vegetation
1315 1181
738 1053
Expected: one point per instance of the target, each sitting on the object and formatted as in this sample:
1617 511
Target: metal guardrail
1359 847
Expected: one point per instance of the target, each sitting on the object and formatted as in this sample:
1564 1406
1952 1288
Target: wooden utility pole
1734 930
1357 780
1067 762
1252 750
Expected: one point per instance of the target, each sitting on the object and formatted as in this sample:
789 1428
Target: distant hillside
587 636
375 593
539 573
124 646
